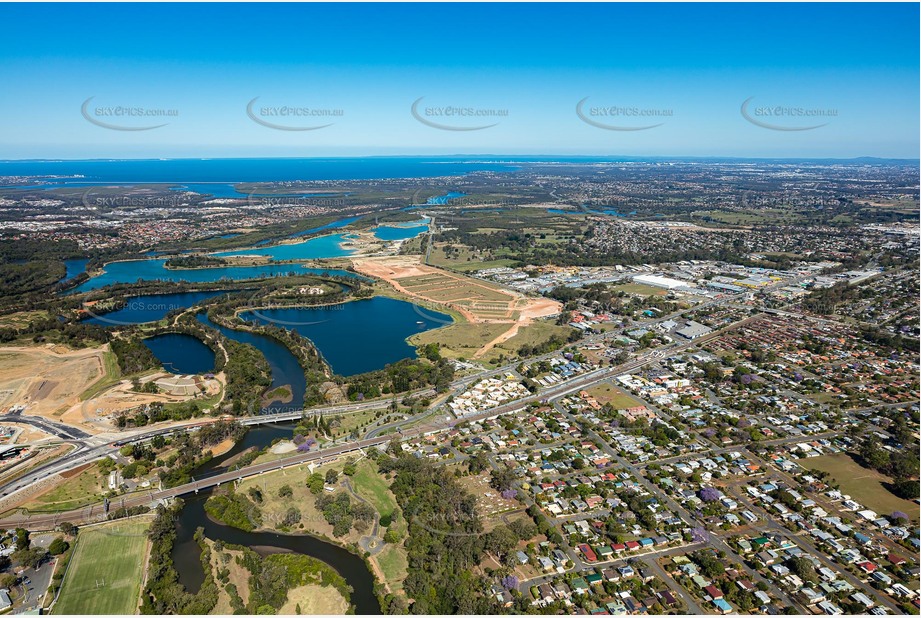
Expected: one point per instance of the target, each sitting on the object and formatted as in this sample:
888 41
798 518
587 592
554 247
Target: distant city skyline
319 80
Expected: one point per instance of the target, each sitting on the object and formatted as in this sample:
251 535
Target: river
187 553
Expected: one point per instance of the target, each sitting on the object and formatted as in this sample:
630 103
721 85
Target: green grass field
460 340
374 488
105 572
109 378
605 393
75 492
865 486
393 563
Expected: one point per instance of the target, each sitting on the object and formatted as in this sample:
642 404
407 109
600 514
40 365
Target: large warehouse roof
659 282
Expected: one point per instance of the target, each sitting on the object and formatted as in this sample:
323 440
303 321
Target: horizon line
468 155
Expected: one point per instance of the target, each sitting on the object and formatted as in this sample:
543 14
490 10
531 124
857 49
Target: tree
907 488
58 546
315 483
803 568
22 539
30 557
285 491
509 582
873 454
331 477
68 528
899 518
502 479
501 540
710 494
478 462
292 516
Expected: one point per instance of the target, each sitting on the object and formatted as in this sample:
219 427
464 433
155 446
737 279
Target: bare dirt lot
50 381
98 413
47 380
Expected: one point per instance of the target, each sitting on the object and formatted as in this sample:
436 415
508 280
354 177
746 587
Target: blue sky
686 67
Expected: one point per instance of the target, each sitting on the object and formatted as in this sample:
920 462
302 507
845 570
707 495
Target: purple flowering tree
306 445
709 494
699 534
509 582
509 494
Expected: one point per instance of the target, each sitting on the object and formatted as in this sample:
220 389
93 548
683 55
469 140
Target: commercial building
659 282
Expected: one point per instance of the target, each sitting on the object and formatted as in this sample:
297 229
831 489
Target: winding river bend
187 553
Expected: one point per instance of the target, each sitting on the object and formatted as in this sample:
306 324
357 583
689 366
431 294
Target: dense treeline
888 340
74 334
28 265
400 377
132 355
308 357
194 261
900 464
445 542
233 509
248 376
555 342
21 278
272 577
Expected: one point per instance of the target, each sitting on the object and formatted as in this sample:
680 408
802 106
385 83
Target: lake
130 271
314 249
441 200
181 354
328 226
401 231
74 267
360 335
151 307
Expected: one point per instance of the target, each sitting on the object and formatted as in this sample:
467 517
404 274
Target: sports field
105 572
865 486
